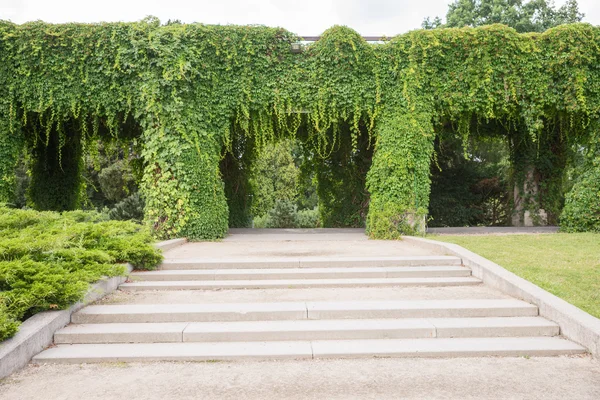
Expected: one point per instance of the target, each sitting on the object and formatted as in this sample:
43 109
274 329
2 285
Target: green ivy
399 180
180 88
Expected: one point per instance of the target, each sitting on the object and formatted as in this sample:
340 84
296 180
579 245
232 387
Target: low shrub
8 325
308 218
582 204
261 222
283 215
48 259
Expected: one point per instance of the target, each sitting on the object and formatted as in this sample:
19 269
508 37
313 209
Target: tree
531 16
274 177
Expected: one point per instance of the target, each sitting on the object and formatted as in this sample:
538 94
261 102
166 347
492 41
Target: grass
565 264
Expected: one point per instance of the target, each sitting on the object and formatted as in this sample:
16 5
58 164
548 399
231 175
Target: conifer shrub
48 259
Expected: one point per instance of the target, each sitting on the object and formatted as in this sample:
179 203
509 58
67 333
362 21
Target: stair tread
303 305
306 261
309 270
303 310
230 326
306 330
309 258
454 347
300 273
266 283
431 326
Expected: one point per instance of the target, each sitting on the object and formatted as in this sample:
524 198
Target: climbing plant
191 93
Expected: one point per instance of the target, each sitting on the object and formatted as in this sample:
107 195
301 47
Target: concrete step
250 331
300 273
298 283
306 294
455 347
143 313
308 262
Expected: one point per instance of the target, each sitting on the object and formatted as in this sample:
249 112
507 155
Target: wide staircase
306 307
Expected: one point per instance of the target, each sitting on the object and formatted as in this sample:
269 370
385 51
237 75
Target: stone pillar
526 211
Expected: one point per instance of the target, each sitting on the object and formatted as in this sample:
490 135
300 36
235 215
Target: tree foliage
524 16
274 177
471 190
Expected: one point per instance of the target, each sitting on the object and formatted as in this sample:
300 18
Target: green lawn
565 264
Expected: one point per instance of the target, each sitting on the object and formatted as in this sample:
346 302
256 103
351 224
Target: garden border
37 332
575 324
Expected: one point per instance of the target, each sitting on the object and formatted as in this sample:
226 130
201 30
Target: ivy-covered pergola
190 93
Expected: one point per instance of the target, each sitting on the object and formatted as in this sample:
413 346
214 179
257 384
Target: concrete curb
169 244
575 324
37 333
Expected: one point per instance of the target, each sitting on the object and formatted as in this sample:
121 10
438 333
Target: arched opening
80 163
498 174
298 179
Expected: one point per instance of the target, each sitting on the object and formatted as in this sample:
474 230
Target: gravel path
459 378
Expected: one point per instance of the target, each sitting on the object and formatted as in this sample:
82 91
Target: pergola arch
185 86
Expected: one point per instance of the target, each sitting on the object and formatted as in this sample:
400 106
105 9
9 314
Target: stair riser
300 315
322 275
254 336
329 263
299 284
453 354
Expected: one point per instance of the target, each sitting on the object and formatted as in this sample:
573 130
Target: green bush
283 215
8 325
261 222
48 259
117 181
308 218
130 208
582 204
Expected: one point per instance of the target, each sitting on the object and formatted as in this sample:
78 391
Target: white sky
304 17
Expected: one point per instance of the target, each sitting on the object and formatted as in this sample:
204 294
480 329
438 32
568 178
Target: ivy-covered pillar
182 185
11 144
56 166
399 180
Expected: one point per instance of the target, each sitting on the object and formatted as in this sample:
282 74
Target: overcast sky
304 17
